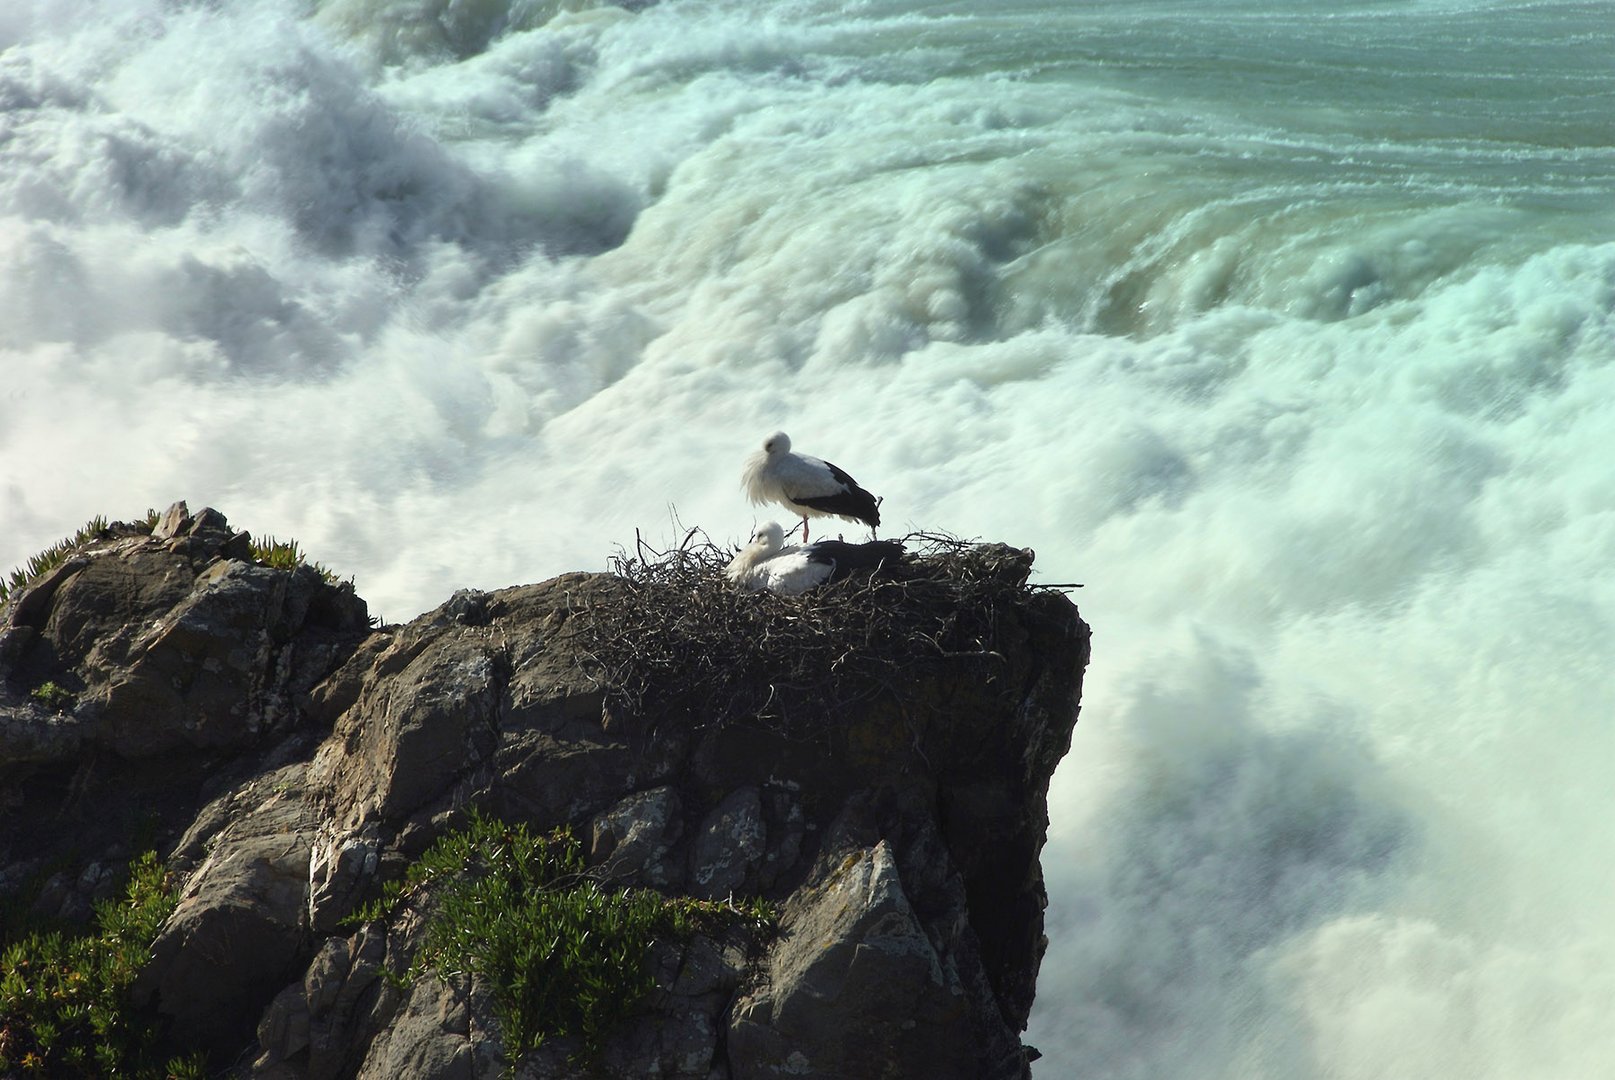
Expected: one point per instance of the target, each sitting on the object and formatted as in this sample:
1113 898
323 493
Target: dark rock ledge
285 757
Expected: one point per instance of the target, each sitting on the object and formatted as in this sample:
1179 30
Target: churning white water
1289 328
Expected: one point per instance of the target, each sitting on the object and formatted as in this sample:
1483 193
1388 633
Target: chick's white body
766 563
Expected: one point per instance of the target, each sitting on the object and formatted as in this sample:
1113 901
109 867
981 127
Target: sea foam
1313 391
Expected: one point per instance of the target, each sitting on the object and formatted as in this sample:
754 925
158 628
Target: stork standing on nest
766 563
806 485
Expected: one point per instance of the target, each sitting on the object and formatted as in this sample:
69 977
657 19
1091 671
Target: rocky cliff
872 759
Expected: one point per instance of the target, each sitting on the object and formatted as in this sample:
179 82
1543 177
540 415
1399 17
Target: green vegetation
564 954
285 555
52 695
52 557
64 1001
266 551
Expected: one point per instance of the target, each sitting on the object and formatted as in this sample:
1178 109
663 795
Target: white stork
766 563
806 485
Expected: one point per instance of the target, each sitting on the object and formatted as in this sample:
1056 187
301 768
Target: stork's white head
770 537
777 443
767 542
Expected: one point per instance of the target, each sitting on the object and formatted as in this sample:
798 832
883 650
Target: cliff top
286 759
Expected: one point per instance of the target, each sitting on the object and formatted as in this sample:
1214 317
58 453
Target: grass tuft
563 953
266 551
52 557
97 528
53 696
286 555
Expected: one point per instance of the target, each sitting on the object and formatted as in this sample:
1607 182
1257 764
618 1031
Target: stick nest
682 644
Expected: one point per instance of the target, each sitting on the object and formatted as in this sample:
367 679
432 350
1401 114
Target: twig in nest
680 641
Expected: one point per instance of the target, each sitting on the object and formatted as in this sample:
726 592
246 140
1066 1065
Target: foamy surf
1287 331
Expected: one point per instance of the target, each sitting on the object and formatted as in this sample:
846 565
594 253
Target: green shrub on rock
53 696
563 953
64 1001
286 555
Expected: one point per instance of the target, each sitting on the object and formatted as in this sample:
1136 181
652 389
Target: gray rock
855 988
706 966
189 670
31 734
55 896
680 1041
175 521
283 1031
729 846
430 1039
632 842
787 829
338 985
410 735
238 930
169 644
293 760
340 865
